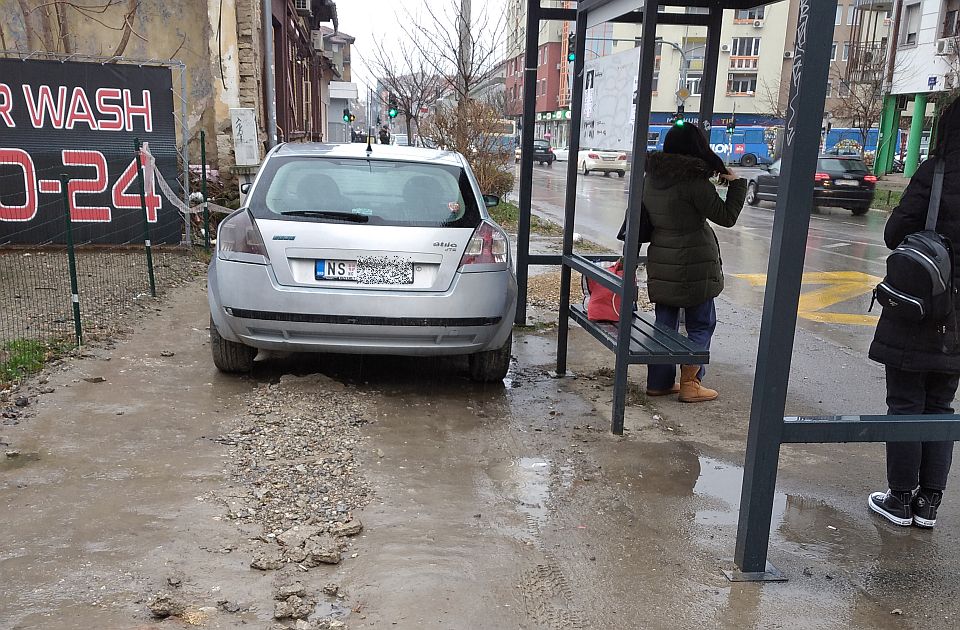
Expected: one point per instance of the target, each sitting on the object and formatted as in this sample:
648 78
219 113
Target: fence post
146 219
203 187
72 262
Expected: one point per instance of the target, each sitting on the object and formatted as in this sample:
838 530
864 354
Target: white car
562 154
603 161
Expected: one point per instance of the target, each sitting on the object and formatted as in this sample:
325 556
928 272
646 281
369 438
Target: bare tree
463 46
48 23
859 99
772 99
409 77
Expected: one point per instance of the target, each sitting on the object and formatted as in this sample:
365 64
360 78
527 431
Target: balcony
867 62
744 64
874 5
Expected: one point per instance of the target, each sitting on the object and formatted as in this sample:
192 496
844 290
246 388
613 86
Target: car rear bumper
840 198
249 307
612 166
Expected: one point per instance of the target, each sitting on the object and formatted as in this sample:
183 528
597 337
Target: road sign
932 81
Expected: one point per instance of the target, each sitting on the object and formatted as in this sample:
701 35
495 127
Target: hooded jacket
683 260
927 346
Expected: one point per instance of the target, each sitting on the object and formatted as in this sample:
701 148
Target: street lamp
684 66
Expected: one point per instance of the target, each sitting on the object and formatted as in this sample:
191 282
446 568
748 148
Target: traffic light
572 47
346 115
731 127
353 117
392 110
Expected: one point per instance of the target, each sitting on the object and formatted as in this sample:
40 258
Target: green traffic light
393 112
572 57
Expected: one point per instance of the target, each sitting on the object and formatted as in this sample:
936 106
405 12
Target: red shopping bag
603 305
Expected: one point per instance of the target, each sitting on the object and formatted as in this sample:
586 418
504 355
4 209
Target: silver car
342 249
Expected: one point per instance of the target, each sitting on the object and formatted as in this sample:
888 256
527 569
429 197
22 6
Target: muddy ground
142 471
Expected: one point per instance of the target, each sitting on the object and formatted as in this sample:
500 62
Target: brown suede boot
691 390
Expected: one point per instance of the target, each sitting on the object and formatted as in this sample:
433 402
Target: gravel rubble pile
295 457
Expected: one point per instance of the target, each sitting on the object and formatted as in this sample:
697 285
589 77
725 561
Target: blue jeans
700 322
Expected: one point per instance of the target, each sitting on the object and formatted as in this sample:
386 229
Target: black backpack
919 282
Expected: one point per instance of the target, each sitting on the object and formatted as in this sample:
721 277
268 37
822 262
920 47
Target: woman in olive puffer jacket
683 260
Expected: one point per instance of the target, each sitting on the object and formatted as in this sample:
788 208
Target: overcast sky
373 20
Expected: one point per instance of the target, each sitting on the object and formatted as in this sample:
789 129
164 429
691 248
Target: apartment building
922 71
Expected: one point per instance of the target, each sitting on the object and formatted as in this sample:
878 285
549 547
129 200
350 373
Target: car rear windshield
372 192
835 165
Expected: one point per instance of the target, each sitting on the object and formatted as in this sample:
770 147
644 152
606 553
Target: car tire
749 160
583 169
229 356
606 173
491 366
859 212
550 163
752 194
621 173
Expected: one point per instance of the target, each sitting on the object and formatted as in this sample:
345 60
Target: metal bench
650 343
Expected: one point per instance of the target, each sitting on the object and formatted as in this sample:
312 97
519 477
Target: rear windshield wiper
328 214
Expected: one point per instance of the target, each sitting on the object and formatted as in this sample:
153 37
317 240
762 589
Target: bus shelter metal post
570 204
631 246
784 273
526 156
711 64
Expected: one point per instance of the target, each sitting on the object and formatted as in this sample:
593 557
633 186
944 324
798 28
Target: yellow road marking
842 286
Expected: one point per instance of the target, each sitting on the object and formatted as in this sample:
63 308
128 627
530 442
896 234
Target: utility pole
465 62
270 85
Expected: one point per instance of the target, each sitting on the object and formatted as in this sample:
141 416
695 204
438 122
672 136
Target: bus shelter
636 338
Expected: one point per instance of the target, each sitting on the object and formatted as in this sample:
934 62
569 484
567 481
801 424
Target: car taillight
593 156
622 156
240 240
487 246
870 178
821 177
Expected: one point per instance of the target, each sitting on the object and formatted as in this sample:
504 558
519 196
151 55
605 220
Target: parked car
542 153
603 161
840 182
561 154
341 251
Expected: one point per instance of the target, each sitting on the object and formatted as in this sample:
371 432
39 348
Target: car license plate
608 159
336 270
846 182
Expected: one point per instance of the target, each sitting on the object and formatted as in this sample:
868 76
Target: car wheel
491 366
583 168
229 356
621 173
859 212
606 173
749 160
752 194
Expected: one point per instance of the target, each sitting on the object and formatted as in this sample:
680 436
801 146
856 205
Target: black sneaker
893 506
925 505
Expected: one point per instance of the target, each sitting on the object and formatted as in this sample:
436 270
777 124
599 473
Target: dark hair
948 129
687 139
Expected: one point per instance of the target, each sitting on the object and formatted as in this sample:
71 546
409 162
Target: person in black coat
922 360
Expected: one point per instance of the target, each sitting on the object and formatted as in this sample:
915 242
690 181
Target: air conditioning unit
950 80
725 48
730 77
788 54
758 24
946 46
302 7
316 40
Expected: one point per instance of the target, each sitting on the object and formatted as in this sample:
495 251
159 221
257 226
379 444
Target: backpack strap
933 210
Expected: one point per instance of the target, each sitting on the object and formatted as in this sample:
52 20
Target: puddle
19 460
526 481
719 485
326 609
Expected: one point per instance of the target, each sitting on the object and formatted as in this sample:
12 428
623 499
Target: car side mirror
491 201
245 187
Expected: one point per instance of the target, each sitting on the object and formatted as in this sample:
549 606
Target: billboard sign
80 119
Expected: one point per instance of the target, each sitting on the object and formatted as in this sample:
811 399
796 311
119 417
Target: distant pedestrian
384 135
922 359
683 261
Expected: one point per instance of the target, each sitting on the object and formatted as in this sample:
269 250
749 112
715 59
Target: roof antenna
369 138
